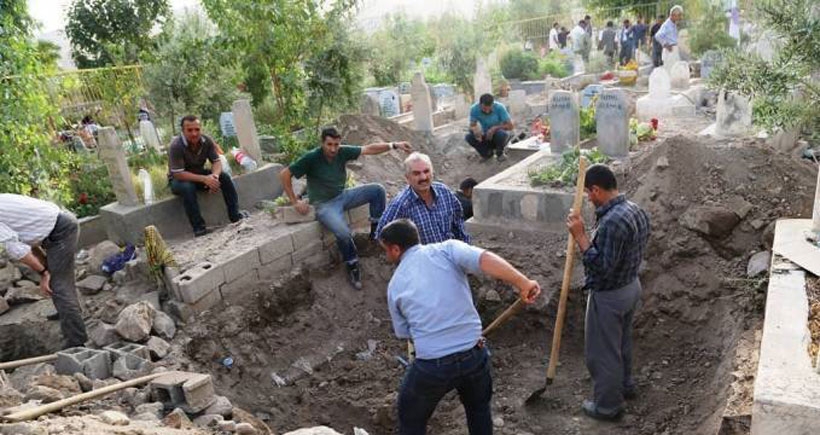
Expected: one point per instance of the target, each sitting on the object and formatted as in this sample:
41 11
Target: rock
245 429
227 426
92 284
767 237
492 296
102 334
164 325
29 273
24 292
119 277
114 418
498 422
662 162
758 264
44 394
208 420
712 221
135 321
23 429
222 406
96 384
4 306
23 377
10 397
359 431
145 416
157 347
85 384
154 408
8 275
740 206
757 224
177 419
318 430
99 253
67 385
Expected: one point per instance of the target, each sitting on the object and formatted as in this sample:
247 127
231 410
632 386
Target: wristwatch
392 145
44 270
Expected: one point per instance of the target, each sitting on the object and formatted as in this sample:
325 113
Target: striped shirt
618 244
437 223
668 33
24 222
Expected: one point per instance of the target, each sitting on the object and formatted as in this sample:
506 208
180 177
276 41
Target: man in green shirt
326 176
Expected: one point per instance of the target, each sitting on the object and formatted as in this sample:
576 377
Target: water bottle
248 164
226 167
147 186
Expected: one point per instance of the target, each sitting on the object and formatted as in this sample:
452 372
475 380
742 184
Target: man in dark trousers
27 222
490 127
611 260
657 48
187 155
430 302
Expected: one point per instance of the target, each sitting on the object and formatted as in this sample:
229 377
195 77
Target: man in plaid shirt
611 262
431 205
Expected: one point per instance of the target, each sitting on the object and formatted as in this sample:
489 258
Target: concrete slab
526 147
787 387
92 231
126 223
793 245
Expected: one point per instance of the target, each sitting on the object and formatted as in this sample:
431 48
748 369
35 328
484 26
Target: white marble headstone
565 121
612 121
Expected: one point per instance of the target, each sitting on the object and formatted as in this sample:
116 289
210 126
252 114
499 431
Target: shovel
562 300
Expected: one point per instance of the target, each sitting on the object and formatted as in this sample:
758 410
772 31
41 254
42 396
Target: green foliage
48 54
292 146
90 187
709 32
554 65
397 44
458 42
779 88
589 127
518 64
104 31
565 172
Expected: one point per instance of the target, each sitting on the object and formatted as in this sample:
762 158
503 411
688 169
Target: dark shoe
501 158
373 227
201 232
243 214
354 274
630 394
53 316
591 410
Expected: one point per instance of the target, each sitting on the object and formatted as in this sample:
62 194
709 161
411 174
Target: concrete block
179 309
192 392
275 269
199 281
276 248
240 265
129 366
289 215
303 234
93 363
231 290
92 231
207 302
121 348
359 216
311 249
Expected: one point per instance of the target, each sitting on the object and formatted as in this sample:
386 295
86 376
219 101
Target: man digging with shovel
611 262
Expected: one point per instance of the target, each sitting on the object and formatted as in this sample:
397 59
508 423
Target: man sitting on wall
489 126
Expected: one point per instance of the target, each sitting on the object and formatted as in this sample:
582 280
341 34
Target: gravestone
517 102
565 121
462 106
670 58
389 103
149 135
422 104
227 125
113 155
404 88
482 83
370 105
246 129
708 62
578 66
443 90
660 84
734 115
679 75
589 93
612 121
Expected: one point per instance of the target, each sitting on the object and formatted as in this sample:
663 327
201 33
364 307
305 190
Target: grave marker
149 135
389 103
708 62
517 102
227 125
612 121
482 83
734 115
370 105
246 129
565 121
660 85
679 75
589 93
422 103
113 155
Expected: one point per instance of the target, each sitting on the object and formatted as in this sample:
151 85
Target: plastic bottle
147 186
248 164
226 167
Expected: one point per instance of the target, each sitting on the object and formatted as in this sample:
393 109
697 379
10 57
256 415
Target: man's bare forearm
33 262
287 184
497 267
187 176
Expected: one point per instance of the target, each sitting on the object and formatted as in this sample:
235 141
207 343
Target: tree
780 88
105 31
398 43
48 54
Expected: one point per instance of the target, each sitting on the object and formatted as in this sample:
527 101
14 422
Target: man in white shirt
580 40
554 44
27 222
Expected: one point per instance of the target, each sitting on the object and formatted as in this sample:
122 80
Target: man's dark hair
401 232
609 24
601 176
661 17
187 118
587 18
330 132
626 21
555 24
582 23
486 100
468 183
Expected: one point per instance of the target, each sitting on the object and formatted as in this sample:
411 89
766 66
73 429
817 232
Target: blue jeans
427 381
332 215
187 190
486 147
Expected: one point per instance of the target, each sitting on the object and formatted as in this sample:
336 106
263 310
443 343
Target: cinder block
239 265
303 234
239 285
313 248
359 216
276 268
276 248
93 363
207 302
289 215
199 281
122 348
129 366
192 392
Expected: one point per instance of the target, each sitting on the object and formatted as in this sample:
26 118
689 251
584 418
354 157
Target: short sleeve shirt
182 156
325 179
498 115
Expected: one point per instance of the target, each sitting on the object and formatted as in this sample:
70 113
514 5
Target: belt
458 356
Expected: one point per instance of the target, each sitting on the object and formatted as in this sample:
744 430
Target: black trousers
61 247
187 190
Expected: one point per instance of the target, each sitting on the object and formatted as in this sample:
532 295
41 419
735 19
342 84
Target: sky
51 13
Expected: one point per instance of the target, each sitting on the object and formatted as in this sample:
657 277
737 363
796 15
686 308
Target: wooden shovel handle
28 361
509 312
570 259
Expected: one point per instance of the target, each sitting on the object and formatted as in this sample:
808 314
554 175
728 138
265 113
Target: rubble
101 334
157 347
99 253
163 326
135 321
44 394
24 292
177 419
92 284
115 418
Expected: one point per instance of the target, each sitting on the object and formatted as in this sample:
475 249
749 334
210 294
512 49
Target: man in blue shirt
431 205
489 127
667 35
640 33
611 263
430 302
626 39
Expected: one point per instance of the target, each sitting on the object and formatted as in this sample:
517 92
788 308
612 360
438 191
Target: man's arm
497 267
390 214
401 327
22 252
601 256
476 129
287 184
458 219
383 147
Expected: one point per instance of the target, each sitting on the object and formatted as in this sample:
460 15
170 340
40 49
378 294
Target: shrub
517 64
553 65
709 33
565 172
